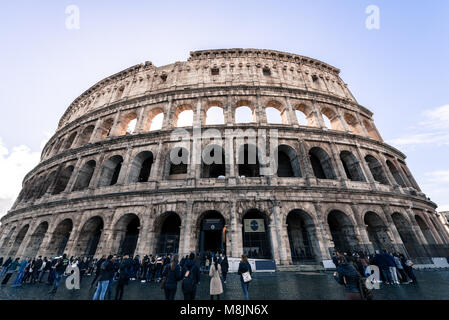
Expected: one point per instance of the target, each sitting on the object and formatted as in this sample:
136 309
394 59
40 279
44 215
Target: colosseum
124 174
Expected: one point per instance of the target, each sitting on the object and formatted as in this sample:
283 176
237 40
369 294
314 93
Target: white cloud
14 165
437 118
436 186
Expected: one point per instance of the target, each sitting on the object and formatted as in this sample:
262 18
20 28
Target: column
291 115
94 135
322 230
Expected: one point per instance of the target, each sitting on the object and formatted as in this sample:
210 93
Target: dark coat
172 276
380 261
190 265
225 265
347 273
107 271
124 275
244 267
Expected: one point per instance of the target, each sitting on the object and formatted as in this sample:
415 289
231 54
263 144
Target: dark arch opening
425 230
288 163
342 232
406 234
141 167
377 232
248 161
212 235
60 238
36 240
351 166
86 135
321 164
111 171
256 239
85 176
63 180
48 182
396 175
376 169
213 162
300 230
128 229
177 162
18 241
70 140
168 240
89 237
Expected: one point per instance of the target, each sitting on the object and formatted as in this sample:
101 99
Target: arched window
63 180
321 164
36 240
275 113
342 231
141 167
176 163
184 116
59 238
377 232
304 115
85 176
48 182
256 240
105 129
111 171
127 124
376 169
395 173
330 118
301 118
406 234
70 140
89 237
351 166
213 162
425 230
248 161
244 114
301 235
126 232
371 130
18 241
155 120
288 163
212 232
353 123
214 115
86 134
169 225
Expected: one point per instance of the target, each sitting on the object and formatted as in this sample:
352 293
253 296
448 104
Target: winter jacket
13 266
390 260
244 267
190 265
215 282
348 276
172 276
380 261
107 271
225 265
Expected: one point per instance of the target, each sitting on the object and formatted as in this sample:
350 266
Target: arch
126 234
214 115
352 123
256 239
48 182
406 234
372 132
177 161
89 237
376 169
169 225
85 176
342 231
36 240
330 118
141 167
58 146
127 124
302 236
212 232
105 129
213 163
377 232
304 115
183 116
395 173
275 113
244 112
248 161
5 244
86 135
111 171
60 237
18 240
287 162
425 230
321 164
352 167
155 120
70 141
63 180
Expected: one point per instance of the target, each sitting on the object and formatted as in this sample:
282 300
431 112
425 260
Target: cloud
436 183
14 165
437 118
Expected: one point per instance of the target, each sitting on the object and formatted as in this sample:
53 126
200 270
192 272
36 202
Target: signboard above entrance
254 225
212 224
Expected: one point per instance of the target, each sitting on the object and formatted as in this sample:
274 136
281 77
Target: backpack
188 283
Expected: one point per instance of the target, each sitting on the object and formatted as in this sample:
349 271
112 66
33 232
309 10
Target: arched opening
377 232
215 115
141 167
321 164
89 237
168 240
85 136
353 124
248 161
105 129
256 239
111 171
5 244
63 180
376 169
351 166
212 232
342 231
371 130
127 125
244 114
155 120
127 234
301 235
37 186
60 238
395 173
273 115
70 140
406 234
58 146
18 241
288 163
48 182
304 115
213 162
184 117
36 240
425 230
85 176
176 163
301 118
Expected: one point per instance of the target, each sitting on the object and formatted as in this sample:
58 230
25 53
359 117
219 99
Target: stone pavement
433 285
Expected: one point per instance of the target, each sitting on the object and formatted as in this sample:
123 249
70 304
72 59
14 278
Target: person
400 269
224 267
82 265
106 275
408 268
98 269
392 267
21 273
216 288
123 279
59 269
159 264
144 269
244 267
151 269
172 274
5 266
37 269
191 274
10 270
349 277
384 266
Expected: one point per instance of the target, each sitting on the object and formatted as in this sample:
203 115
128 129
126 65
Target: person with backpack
245 273
124 275
224 267
349 277
216 288
191 273
171 275
106 275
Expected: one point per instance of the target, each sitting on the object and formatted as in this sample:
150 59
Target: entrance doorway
168 241
212 233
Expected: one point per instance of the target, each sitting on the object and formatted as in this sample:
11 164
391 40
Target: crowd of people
168 270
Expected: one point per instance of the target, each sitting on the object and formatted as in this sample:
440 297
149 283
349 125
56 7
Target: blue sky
400 71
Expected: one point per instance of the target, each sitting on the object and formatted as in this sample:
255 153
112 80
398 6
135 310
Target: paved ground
433 285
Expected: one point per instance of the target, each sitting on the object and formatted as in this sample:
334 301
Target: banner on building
254 225
212 224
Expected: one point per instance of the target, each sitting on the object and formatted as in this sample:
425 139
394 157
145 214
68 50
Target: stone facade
101 188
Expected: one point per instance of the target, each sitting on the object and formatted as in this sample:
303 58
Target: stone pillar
340 171
72 179
26 240
365 168
97 173
186 231
140 121
168 118
93 137
342 121
43 249
115 126
157 171
396 237
316 115
259 110
280 234
143 243
322 232
229 114
291 115
124 171
307 168
236 232
274 243
361 126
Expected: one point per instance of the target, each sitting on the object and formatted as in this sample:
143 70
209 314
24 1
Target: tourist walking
245 273
191 274
106 275
123 278
20 274
171 275
349 277
224 267
216 288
